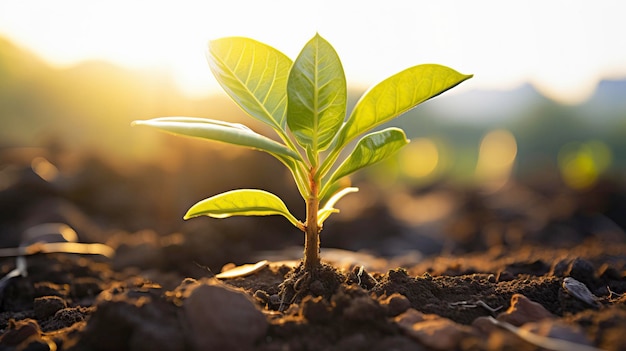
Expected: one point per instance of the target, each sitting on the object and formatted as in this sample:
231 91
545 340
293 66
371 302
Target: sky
562 47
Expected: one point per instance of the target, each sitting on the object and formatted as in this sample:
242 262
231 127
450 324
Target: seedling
304 102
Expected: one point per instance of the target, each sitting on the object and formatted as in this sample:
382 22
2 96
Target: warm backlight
496 158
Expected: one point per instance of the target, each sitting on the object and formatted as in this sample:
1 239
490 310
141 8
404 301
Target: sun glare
506 45
496 158
420 158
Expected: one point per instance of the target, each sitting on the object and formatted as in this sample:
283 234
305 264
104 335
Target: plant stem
312 230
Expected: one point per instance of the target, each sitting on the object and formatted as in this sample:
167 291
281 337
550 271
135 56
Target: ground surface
521 268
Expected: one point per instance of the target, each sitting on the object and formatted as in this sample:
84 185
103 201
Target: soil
532 259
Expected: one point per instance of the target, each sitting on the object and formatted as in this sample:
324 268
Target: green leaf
396 95
317 95
242 202
329 207
254 75
231 133
371 149
328 189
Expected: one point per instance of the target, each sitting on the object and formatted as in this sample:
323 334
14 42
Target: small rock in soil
22 335
558 330
222 318
484 325
262 297
523 311
47 306
560 266
607 272
579 291
433 331
395 304
316 309
582 270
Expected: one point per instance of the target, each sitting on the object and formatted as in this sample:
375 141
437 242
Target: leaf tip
190 213
213 42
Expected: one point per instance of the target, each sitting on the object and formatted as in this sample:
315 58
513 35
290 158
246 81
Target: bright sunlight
505 44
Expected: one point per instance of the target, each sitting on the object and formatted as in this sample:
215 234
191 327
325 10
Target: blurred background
532 148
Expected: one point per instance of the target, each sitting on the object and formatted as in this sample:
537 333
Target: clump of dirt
79 303
322 281
562 278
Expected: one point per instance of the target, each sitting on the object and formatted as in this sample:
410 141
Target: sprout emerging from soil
304 102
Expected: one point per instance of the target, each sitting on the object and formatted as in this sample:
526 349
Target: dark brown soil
159 291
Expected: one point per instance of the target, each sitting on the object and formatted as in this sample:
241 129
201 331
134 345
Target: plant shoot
304 102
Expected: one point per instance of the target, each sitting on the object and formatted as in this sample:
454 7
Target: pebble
579 291
558 330
316 309
395 304
559 267
523 311
222 318
262 296
607 272
433 331
47 306
582 270
19 332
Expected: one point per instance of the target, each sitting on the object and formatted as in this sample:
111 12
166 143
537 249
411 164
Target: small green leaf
329 207
396 95
328 189
371 149
242 202
254 75
232 133
317 95
197 120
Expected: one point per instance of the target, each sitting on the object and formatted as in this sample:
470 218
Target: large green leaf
242 202
254 75
317 95
371 149
396 95
232 133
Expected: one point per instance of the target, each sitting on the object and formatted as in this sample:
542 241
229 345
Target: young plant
304 102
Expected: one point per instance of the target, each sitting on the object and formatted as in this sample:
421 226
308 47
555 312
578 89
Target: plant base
323 280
